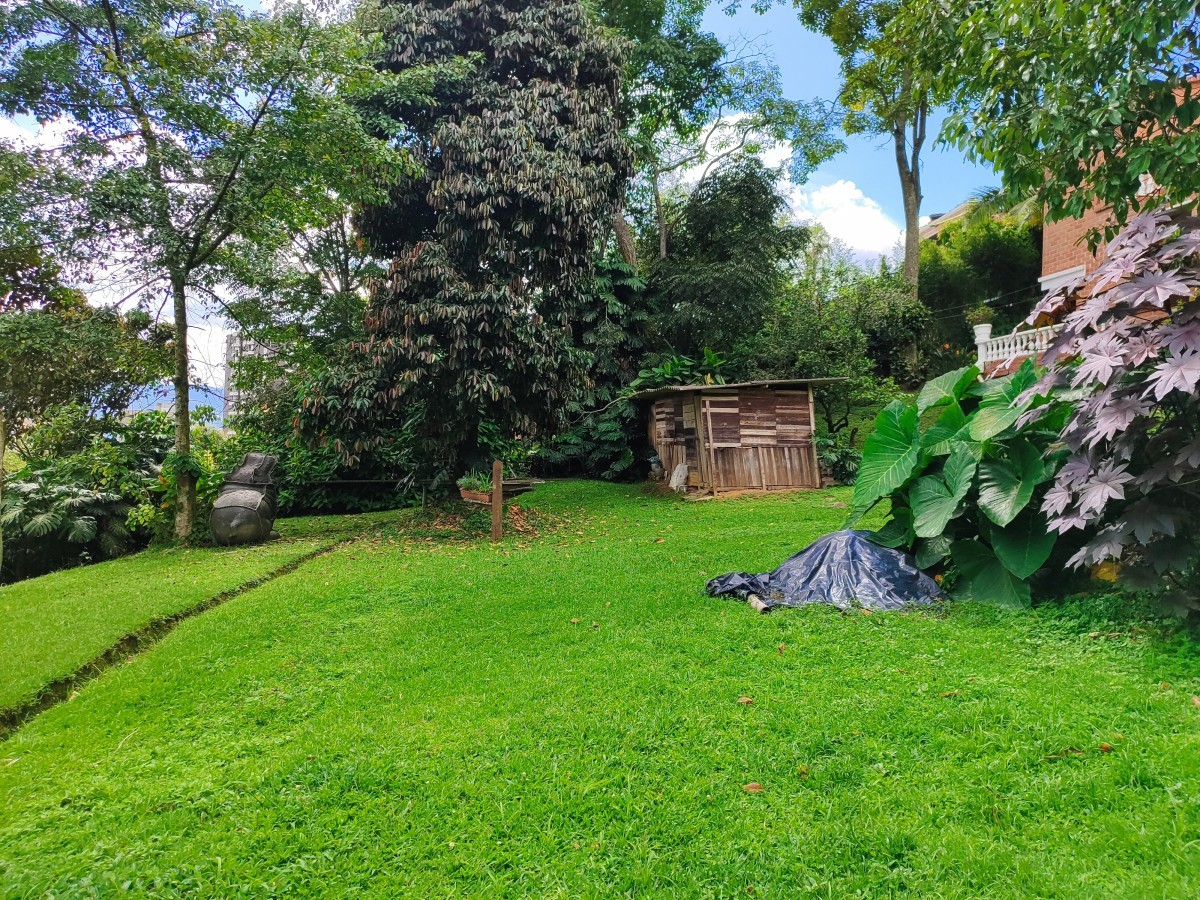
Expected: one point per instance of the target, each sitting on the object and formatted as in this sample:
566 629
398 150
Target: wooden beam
706 474
497 500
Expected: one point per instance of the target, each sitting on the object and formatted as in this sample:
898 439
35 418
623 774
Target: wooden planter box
512 488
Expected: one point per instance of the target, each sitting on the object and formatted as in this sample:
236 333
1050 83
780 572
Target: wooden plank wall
673 435
758 439
763 439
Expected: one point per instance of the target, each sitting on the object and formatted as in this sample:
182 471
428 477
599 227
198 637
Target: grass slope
412 718
51 626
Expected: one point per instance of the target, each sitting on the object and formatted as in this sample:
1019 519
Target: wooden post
497 500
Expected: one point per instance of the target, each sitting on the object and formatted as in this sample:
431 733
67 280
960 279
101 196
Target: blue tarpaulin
842 569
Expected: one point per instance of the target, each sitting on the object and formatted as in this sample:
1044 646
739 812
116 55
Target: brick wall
1064 243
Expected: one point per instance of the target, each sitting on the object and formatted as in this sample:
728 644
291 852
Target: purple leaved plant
1130 345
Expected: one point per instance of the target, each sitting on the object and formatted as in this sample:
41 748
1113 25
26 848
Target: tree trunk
624 238
910 186
660 216
908 137
185 486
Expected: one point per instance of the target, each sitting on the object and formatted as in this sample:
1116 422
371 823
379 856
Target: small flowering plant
1128 355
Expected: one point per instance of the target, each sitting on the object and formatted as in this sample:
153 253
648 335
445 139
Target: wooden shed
757 435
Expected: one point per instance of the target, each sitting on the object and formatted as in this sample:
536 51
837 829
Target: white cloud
848 215
206 347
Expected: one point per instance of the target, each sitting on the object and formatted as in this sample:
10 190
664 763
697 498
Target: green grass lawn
412 717
51 626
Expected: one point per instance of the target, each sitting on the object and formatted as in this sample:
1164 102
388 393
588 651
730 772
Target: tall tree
729 261
692 103
492 243
1074 102
194 128
886 90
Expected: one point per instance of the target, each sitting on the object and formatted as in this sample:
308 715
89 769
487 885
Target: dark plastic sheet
842 569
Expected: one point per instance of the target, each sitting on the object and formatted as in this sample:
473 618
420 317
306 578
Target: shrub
965 491
842 459
1129 349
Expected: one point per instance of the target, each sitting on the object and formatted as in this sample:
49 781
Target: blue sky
858 191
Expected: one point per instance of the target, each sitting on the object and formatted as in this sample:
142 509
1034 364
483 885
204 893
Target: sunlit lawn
411 717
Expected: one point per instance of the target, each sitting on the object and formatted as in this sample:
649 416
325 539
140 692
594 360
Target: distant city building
238 346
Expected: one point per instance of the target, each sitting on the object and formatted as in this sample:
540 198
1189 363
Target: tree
1074 102
196 129
692 103
977 261
523 162
81 355
885 90
820 326
729 261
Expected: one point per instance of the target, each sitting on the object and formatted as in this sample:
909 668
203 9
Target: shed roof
782 383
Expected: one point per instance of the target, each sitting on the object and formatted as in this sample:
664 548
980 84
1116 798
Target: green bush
965 491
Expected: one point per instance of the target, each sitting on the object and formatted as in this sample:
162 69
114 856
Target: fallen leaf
782 647
949 693
752 788
660 540
574 621
745 701
803 770
1164 686
1093 635
1106 748
1196 702
595 624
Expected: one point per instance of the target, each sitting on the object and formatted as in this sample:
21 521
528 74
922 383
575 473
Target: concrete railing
1017 345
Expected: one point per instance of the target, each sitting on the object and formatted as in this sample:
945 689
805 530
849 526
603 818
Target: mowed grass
51 626
403 718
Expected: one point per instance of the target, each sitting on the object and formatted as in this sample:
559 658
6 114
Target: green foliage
480 482
198 132
729 244
1074 102
682 370
841 458
822 326
89 498
976 261
605 435
522 163
964 486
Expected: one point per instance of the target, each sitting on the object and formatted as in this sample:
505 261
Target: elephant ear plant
965 488
1130 345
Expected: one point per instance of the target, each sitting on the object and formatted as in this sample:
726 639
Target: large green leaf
982 577
1025 544
1006 484
932 551
889 454
935 498
948 388
898 531
950 427
998 407
991 421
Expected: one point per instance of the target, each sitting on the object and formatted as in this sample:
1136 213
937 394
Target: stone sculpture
245 509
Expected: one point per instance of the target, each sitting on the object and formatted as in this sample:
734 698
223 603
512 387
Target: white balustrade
1015 346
